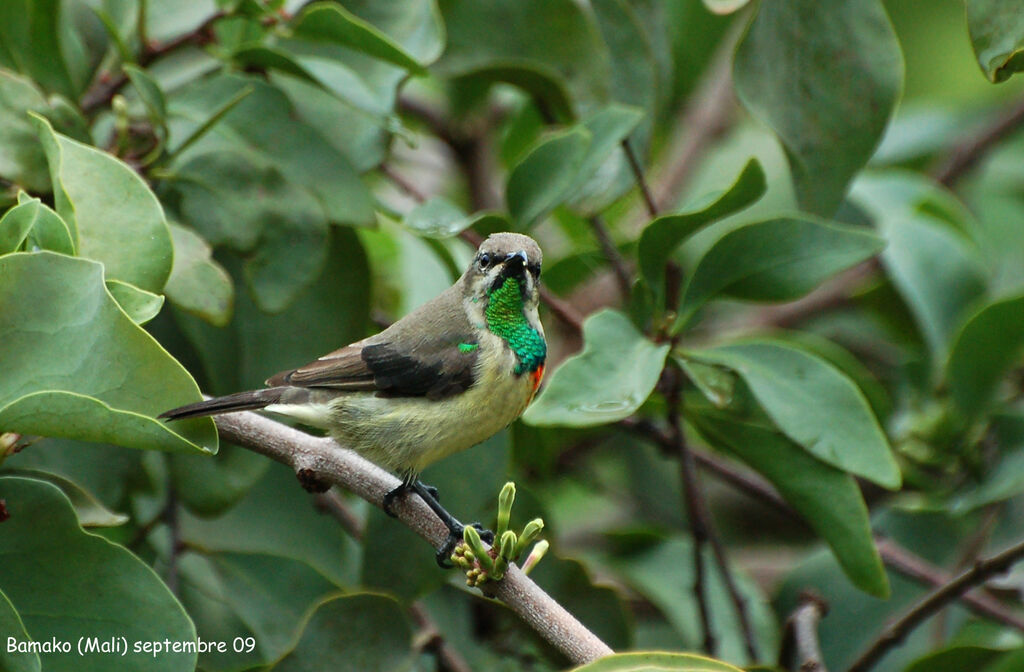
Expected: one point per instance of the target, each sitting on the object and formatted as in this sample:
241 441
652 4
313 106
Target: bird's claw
443 556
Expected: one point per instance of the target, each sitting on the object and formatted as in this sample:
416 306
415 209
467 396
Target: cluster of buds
483 564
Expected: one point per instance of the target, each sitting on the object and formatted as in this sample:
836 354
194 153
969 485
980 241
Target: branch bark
800 644
967 153
322 460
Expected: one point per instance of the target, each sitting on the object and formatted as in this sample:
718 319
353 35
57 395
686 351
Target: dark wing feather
418 356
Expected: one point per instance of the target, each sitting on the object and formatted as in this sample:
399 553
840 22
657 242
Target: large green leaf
775 260
934 266
66 583
544 177
49 231
663 235
826 497
826 82
664 574
813 403
117 218
353 633
30 37
15 225
249 595
984 352
78 366
604 173
21 158
997 35
11 626
608 381
640 661
330 22
565 50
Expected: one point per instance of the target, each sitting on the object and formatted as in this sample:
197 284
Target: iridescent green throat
505 318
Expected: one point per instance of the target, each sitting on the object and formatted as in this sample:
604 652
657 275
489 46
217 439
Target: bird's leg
389 497
455 528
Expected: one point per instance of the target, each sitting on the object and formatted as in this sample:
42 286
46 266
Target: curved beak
514 263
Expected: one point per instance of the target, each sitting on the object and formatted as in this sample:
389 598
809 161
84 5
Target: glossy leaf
640 661
21 158
352 633
30 32
132 240
49 231
663 235
79 368
544 177
608 381
113 593
141 306
90 511
11 626
826 497
264 597
934 266
775 260
331 22
984 352
813 403
198 284
604 173
997 35
826 83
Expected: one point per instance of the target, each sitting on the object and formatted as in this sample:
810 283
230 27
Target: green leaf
542 180
332 23
1004 478
30 32
49 231
132 240
826 83
16 223
90 511
210 484
985 350
198 284
604 173
997 35
932 264
264 597
149 93
656 661
775 260
352 633
79 367
664 574
956 658
21 158
827 498
662 236
140 305
11 626
113 593
813 403
608 381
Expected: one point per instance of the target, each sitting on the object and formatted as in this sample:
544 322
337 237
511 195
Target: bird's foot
405 486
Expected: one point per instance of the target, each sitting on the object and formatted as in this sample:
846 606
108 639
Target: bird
447 376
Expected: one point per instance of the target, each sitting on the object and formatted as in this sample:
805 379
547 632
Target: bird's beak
514 263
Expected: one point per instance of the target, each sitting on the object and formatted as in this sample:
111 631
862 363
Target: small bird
448 375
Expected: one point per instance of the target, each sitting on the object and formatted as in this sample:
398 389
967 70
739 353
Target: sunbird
445 377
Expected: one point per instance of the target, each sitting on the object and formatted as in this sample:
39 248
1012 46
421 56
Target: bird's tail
240 401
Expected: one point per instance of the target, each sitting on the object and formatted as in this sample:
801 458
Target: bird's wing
421 357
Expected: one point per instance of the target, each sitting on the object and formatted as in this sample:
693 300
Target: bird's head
501 257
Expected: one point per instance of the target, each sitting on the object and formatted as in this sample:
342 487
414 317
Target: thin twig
403 184
895 556
638 175
321 459
800 639
694 502
936 600
611 253
967 153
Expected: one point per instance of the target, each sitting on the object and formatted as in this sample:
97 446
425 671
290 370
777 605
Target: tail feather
240 401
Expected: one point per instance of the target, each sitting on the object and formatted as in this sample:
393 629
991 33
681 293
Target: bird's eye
485 260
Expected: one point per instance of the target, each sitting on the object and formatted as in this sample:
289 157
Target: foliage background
821 306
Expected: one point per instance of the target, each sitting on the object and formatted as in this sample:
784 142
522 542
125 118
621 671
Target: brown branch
404 185
966 154
612 255
936 600
322 460
638 175
800 645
